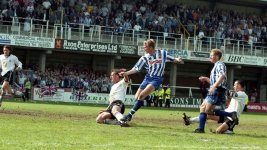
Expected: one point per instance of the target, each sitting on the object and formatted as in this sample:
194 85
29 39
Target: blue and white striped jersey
218 70
154 64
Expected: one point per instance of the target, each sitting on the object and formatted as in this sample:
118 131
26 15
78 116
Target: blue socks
202 121
138 104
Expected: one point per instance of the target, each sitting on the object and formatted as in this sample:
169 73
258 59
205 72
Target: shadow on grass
55 103
158 127
251 135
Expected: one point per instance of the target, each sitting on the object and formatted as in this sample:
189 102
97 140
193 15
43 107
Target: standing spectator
246 104
137 29
30 8
47 6
167 97
90 7
253 95
130 86
156 98
27 24
104 87
87 21
161 96
28 87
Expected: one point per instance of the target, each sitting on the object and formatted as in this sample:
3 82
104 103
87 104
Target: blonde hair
217 52
150 43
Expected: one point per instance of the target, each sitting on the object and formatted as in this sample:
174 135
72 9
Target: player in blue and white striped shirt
154 62
218 86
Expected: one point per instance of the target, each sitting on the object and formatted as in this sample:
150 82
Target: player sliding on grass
154 61
116 97
237 104
8 63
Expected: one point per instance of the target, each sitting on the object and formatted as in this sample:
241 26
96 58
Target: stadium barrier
51 93
106 34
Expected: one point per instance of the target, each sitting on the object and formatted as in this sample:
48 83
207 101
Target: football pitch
70 127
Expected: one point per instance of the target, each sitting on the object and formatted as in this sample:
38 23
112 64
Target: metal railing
106 34
229 46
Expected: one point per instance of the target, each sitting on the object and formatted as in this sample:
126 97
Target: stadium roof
250 3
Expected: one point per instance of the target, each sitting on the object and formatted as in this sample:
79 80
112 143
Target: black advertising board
98 47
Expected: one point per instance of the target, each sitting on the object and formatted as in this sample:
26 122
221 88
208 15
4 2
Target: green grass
68 127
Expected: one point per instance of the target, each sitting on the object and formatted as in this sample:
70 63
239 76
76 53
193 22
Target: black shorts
8 77
117 103
222 119
231 124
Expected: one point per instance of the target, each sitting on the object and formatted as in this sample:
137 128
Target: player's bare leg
102 117
5 89
141 94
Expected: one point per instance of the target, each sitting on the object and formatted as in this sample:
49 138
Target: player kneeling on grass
8 63
225 117
113 113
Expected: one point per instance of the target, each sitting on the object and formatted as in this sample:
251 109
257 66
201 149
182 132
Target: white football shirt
237 103
9 63
118 91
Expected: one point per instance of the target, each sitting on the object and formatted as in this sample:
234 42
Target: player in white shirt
8 63
237 105
116 97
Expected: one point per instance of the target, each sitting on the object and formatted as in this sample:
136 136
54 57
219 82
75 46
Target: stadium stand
68 76
129 22
150 15
177 26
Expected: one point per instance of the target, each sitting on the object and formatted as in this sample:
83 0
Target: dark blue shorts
155 81
218 98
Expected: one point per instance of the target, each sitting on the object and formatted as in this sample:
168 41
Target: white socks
118 116
194 120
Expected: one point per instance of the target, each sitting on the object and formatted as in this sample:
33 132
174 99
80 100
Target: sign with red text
257 107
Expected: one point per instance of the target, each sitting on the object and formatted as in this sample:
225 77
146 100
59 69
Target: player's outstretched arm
127 73
122 73
178 60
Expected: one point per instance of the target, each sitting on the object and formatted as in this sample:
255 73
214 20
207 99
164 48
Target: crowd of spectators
67 76
152 15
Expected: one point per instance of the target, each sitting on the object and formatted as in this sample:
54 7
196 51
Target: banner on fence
29 41
244 59
257 107
50 93
200 56
97 47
